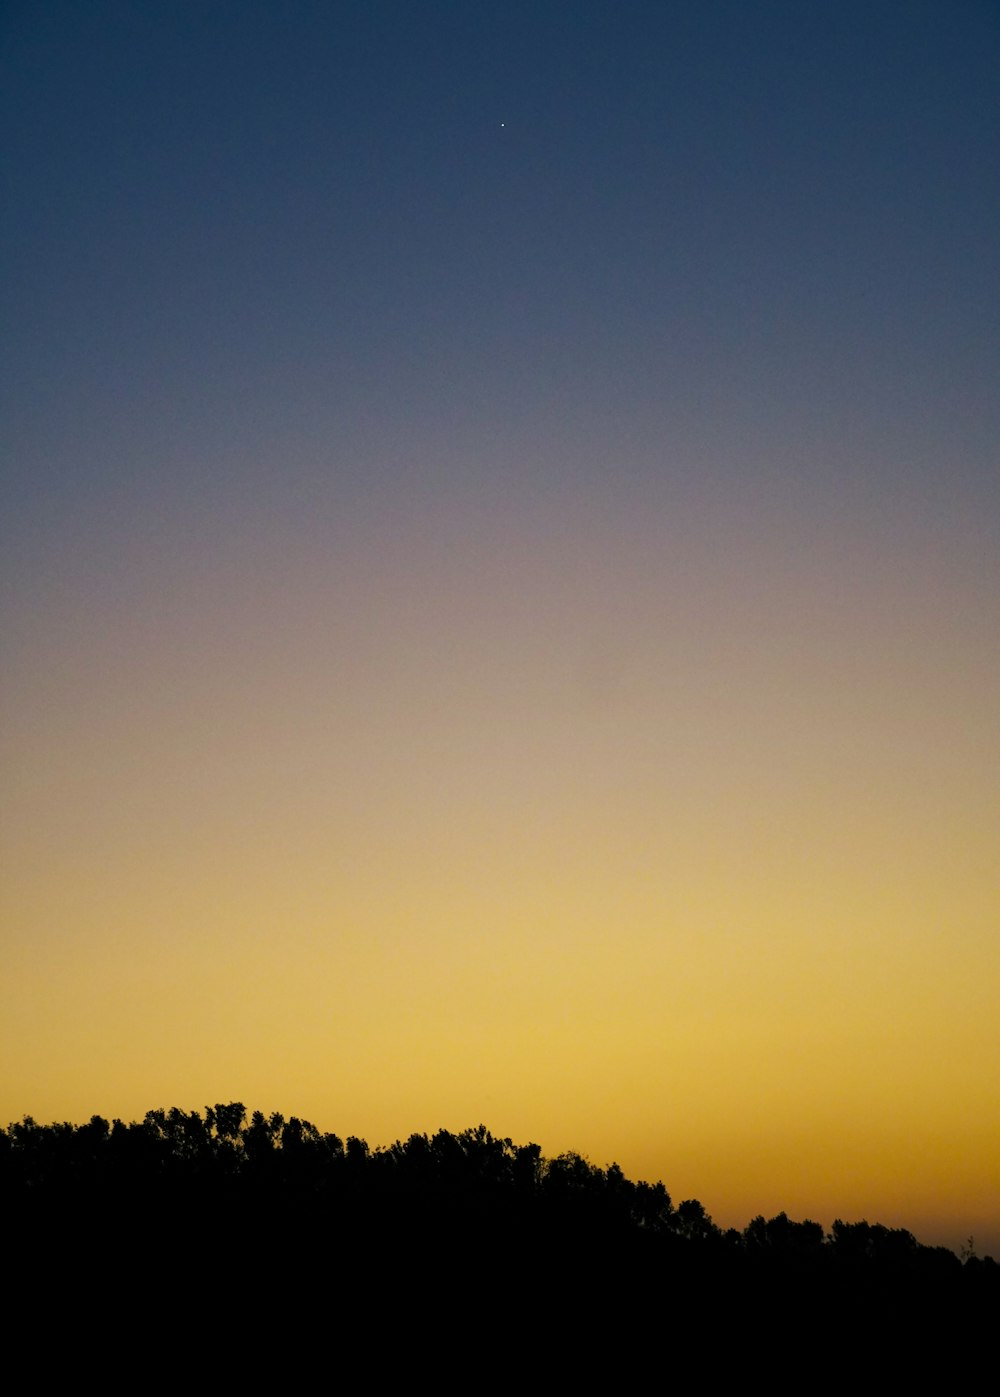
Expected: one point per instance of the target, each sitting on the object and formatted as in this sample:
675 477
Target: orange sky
499 597
675 851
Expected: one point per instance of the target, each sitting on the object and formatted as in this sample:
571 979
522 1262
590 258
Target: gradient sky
500 597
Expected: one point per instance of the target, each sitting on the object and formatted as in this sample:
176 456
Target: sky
499 597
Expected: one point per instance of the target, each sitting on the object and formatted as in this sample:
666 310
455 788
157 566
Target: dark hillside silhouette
272 1225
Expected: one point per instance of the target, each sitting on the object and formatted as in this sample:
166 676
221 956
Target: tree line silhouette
272 1219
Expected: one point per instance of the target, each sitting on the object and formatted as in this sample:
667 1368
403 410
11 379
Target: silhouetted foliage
165 1211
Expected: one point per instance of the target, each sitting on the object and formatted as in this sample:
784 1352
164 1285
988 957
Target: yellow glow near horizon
684 862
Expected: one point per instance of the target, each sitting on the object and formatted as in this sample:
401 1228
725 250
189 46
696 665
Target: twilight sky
500 594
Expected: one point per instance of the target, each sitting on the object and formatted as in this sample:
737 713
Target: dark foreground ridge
268 1225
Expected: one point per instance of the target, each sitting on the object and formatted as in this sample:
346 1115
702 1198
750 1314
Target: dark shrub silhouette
270 1226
